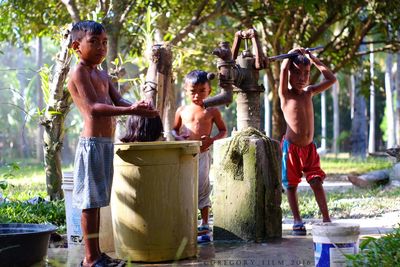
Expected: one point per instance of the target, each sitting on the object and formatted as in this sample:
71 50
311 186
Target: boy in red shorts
299 154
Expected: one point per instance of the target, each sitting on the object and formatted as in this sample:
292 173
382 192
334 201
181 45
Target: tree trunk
113 41
23 144
371 142
359 120
398 98
390 133
54 117
278 121
370 179
336 125
267 108
39 63
323 123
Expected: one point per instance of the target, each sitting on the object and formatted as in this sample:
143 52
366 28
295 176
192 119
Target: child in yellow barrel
195 122
98 102
299 154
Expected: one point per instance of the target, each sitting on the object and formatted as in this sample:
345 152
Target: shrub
382 251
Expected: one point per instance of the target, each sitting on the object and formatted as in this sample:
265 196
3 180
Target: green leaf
3 184
53 112
364 243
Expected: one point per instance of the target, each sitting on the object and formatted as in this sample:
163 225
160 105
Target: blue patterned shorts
93 172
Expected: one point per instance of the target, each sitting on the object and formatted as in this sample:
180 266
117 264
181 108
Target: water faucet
225 66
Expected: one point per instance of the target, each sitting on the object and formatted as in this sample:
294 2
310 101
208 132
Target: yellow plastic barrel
154 200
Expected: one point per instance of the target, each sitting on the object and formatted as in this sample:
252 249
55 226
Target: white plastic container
73 215
332 241
73 218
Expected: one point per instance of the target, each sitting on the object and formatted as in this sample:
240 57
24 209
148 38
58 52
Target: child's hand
287 61
181 137
206 142
298 50
303 51
311 56
145 109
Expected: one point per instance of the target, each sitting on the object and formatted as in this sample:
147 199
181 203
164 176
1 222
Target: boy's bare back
296 103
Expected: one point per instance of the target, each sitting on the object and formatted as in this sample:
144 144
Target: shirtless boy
194 122
299 154
98 101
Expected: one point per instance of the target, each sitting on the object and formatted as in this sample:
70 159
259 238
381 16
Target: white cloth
204 180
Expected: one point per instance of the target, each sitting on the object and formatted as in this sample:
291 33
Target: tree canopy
194 28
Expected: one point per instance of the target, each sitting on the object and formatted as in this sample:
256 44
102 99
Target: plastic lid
334 228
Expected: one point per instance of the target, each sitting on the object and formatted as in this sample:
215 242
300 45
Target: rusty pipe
225 77
225 97
225 85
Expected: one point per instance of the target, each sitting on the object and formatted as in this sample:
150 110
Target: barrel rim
157 145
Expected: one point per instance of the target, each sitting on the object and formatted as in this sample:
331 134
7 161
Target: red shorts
297 160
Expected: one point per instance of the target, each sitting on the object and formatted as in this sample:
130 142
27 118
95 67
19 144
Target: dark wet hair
142 129
86 26
301 60
198 77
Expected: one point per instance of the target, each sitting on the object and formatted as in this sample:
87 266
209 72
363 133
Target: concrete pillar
247 204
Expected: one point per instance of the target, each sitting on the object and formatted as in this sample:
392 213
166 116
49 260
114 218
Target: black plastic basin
24 244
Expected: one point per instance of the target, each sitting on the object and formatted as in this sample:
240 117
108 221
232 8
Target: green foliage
45 73
383 251
22 21
147 30
9 172
3 184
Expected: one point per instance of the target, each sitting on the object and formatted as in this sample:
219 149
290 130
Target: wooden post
159 87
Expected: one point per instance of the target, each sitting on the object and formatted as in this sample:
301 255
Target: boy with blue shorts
98 102
299 154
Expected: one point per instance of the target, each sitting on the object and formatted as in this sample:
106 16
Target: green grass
42 212
27 170
17 191
354 203
346 165
24 182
